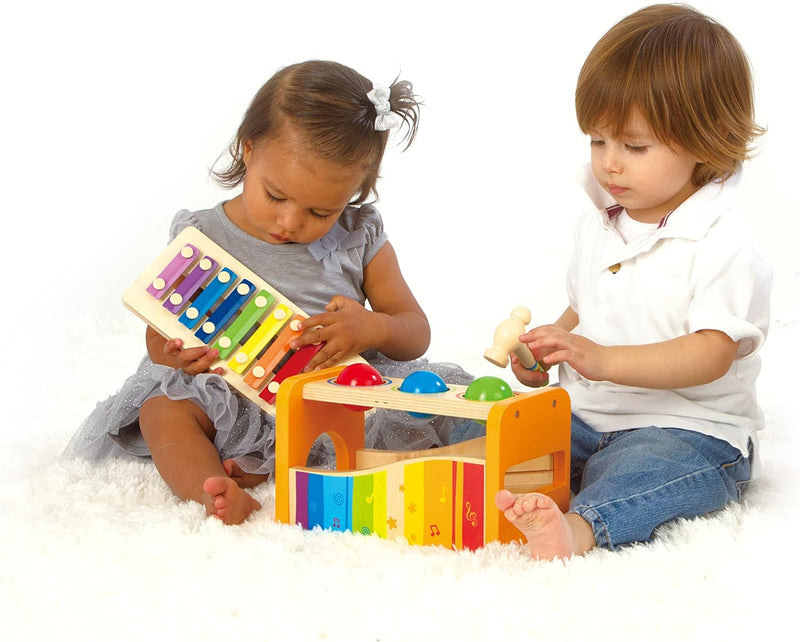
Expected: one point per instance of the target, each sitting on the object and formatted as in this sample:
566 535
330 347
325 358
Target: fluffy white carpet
106 552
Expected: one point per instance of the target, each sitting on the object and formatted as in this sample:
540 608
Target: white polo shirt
697 269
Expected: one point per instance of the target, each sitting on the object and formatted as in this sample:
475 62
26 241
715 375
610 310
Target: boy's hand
192 361
345 329
554 345
530 378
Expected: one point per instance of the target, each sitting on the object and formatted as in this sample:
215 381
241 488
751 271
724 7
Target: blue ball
422 382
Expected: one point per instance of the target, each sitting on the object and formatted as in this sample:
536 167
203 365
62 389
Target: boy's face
645 176
290 195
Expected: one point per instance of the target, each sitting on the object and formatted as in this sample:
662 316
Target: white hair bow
386 118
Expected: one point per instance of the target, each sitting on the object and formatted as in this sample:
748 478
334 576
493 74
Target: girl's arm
171 353
402 331
395 325
691 360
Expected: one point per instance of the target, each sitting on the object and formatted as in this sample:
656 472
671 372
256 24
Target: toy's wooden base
524 477
442 496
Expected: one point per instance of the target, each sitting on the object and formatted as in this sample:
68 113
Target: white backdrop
113 114
110 116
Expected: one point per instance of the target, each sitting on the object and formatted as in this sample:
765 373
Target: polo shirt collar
691 220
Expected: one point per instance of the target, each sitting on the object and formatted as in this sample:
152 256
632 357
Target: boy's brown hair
688 76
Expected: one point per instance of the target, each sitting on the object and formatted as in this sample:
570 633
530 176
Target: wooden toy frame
527 426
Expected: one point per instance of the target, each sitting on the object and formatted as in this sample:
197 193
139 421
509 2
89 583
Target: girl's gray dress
309 275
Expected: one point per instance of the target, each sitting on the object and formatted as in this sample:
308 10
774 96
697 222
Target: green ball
488 389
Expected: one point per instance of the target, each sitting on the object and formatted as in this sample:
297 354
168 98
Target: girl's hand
192 361
344 327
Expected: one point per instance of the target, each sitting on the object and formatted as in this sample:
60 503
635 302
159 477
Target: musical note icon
336 523
471 515
435 530
443 497
370 498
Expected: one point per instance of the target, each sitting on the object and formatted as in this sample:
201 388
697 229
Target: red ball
359 374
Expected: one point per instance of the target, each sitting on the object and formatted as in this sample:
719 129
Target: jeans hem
602 538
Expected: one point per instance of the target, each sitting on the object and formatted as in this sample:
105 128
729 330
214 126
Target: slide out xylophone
443 496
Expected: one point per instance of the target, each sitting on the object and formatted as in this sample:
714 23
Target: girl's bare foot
245 480
549 532
226 501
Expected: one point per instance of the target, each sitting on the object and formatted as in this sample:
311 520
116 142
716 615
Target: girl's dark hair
327 105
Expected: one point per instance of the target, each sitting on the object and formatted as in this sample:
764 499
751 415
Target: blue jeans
629 482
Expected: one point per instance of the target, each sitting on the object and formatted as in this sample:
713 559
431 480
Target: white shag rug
107 553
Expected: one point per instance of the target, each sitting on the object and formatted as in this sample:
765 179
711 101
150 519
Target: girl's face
645 176
290 195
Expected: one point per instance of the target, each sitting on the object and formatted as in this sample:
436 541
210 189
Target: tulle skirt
244 432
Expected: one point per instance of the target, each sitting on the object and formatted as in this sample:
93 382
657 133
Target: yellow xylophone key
243 357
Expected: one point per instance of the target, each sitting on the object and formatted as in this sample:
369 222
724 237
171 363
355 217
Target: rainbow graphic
426 501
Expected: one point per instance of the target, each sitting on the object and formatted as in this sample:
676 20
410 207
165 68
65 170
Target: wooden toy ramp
194 290
441 496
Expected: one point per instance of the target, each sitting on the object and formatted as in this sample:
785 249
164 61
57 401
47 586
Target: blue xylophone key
208 297
337 494
225 311
316 502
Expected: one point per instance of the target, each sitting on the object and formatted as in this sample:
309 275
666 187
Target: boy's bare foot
549 532
245 480
226 501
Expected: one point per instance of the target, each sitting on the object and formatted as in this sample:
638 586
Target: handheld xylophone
197 292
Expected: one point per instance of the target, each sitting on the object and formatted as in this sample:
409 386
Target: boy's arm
691 360
568 320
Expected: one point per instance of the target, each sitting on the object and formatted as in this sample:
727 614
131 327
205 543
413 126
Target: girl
669 300
307 155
